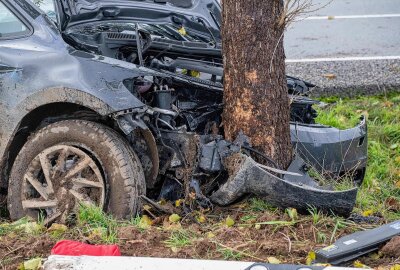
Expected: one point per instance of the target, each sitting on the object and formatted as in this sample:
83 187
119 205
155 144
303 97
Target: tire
116 167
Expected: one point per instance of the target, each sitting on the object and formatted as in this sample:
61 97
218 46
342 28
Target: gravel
349 78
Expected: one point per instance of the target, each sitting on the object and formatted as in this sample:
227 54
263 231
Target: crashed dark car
112 103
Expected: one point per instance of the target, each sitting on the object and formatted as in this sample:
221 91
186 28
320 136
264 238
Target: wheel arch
38 118
62 103
57 111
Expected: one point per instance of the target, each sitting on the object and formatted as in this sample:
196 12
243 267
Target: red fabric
73 248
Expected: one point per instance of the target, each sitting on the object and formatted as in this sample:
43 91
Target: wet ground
355 42
288 242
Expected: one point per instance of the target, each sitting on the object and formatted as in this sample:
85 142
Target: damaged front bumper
186 161
337 155
332 152
297 191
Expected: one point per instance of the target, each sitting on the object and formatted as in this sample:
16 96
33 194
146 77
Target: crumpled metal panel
251 179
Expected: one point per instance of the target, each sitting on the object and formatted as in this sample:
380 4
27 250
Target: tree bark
255 95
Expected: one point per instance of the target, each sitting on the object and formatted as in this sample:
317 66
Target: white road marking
341 59
351 17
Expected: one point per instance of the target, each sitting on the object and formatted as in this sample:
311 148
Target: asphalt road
347 46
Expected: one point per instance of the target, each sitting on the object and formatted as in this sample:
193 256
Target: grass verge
380 192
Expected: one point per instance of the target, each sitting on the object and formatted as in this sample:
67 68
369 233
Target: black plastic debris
294 190
357 244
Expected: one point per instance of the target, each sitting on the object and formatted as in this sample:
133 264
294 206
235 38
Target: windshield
48 7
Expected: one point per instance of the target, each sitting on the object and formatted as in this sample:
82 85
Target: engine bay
184 114
189 57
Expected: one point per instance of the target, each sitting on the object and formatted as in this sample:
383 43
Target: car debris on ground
359 244
150 89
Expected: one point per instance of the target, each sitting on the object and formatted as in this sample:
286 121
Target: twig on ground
238 251
288 239
12 251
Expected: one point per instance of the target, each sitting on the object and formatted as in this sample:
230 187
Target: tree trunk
255 95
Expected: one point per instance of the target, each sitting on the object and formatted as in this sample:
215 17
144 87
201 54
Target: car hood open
195 14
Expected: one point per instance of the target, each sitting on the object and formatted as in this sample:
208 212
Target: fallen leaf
57 228
229 222
331 17
145 222
210 235
162 202
182 31
178 203
33 264
174 218
367 213
201 219
195 74
395 267
273 260
311 257
358 264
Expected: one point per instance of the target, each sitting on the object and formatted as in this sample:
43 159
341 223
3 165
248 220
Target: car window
10 25
48 7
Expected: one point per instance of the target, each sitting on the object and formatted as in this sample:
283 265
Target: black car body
160 93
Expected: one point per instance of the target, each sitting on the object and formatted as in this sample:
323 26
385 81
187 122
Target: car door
12 28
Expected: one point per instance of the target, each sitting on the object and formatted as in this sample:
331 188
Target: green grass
259 205
16 227
229 254
178 239
95 222
316 214
383 171
344 183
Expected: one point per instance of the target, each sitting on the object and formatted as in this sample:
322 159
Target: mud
15 249
209 240
392 249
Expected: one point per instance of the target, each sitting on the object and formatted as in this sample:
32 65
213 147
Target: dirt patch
15 249
393 204
244 241
392 249
146 243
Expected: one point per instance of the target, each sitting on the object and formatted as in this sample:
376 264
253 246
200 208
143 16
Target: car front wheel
70 163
